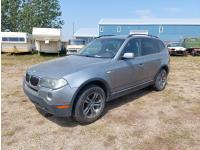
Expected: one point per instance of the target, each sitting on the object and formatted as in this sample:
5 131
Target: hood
67 65
74 46
177 48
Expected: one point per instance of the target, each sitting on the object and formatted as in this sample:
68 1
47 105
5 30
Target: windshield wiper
83 55
93 56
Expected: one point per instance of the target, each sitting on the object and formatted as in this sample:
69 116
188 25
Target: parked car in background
108 67
192 45
74 46
177 49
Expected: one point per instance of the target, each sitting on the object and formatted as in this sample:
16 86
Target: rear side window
150 46
161 45
132 47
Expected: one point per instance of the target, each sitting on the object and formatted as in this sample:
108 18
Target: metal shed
47 40
86 34
166 29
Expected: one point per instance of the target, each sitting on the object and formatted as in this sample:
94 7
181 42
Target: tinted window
132 47
13 39
4 39
150 46
161 45
21 39
102 47
77 42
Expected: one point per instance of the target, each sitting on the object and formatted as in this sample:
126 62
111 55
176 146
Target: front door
127 73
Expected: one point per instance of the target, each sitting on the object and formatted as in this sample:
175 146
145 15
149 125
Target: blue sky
87 13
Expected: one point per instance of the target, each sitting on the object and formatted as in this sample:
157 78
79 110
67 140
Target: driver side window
132 47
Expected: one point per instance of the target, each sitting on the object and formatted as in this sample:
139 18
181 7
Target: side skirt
130 90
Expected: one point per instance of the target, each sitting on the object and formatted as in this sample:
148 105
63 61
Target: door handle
141 64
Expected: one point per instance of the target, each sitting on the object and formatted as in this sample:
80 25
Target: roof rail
104 35
143 34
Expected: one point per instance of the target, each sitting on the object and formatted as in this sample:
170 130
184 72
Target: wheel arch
95 81
162 67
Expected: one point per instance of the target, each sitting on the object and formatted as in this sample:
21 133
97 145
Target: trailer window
21 39
13 39
161 29
4 39
119 28
101 29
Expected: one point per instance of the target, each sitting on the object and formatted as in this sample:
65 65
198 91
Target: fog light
63 106
49 96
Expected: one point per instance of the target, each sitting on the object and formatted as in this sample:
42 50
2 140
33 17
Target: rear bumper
38 98
176 53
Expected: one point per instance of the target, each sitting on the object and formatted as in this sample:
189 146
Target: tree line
23 15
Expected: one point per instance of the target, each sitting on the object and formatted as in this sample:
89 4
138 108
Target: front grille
32 88
27 77
34 80
72 50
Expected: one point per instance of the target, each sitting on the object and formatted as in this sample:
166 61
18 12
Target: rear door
50 47
150 53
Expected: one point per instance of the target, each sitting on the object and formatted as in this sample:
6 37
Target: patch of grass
174 139
195 109
28 59
40 122
10 132
36 135
110 139
12 142
102 129
172 121
178 136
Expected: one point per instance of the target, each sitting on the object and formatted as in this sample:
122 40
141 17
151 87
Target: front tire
90 104
161 80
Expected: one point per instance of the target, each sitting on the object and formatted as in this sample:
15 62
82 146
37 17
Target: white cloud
143 13
172 9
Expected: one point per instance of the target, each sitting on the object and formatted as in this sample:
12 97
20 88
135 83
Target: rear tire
185 53
161 80
90 104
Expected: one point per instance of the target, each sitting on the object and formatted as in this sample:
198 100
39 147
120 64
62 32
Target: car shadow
69 122
115 103
61 121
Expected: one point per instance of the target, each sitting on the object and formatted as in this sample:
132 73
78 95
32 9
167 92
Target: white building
16 42
47 40
86 34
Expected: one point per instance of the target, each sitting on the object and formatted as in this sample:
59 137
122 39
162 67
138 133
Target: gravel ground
143 120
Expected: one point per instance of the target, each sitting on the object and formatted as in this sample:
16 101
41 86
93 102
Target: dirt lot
144 120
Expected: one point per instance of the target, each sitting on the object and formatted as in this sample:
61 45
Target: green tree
37 13
10 10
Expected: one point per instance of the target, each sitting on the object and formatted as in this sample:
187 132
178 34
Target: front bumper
177 52
59 97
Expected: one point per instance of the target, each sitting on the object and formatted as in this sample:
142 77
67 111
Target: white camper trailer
47 40
16 42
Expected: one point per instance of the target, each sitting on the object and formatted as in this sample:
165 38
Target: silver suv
107 68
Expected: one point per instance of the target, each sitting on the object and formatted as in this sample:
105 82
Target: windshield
175 45
77 42
104 48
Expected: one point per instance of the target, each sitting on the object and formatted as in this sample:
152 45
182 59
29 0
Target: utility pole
73 28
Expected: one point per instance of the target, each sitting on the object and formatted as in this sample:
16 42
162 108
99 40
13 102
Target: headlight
52 83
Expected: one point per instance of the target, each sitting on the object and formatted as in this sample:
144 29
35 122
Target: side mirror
128 56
